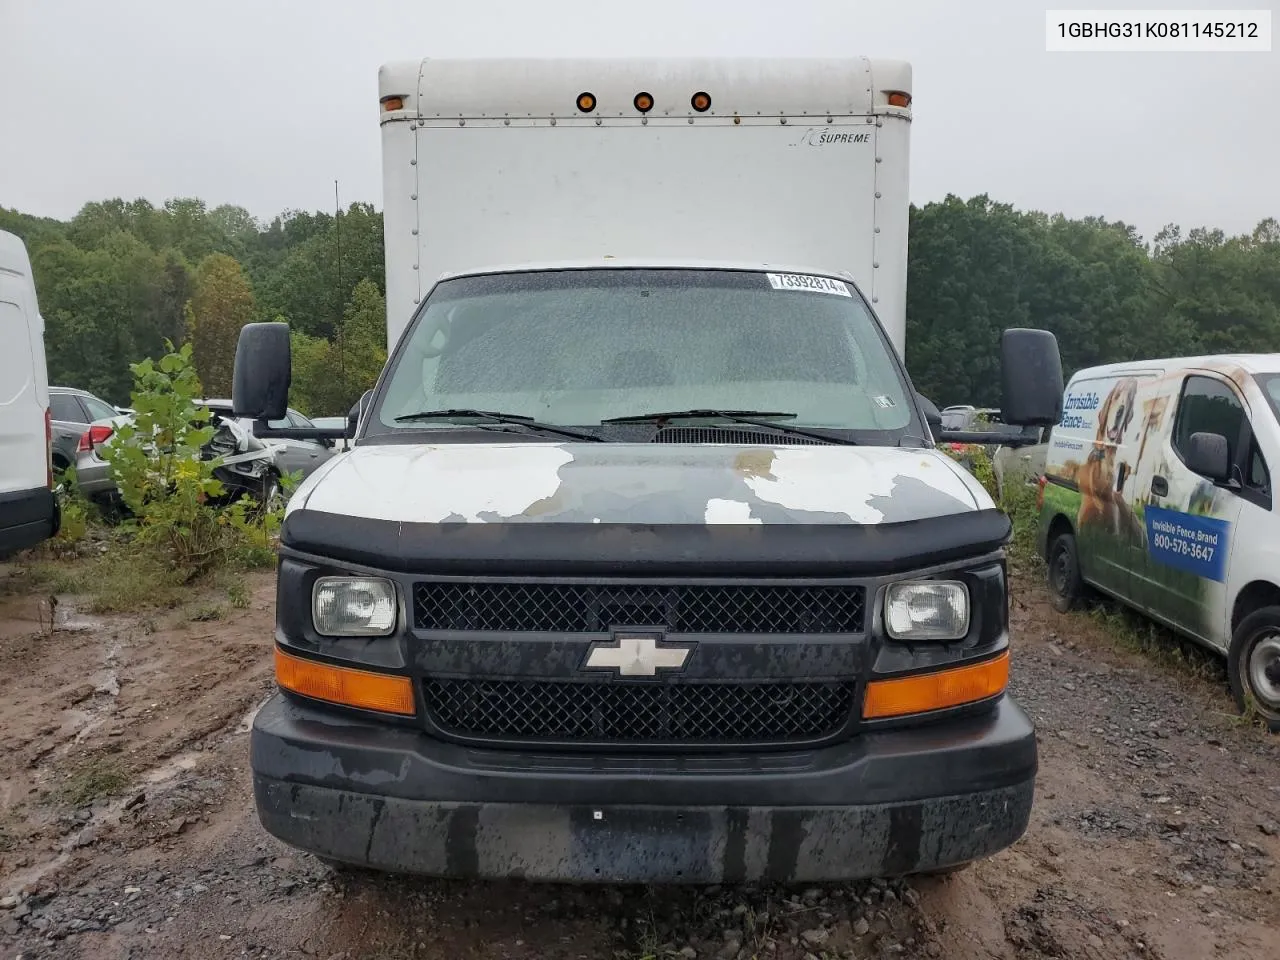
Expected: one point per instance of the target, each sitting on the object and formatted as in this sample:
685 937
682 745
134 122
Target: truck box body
796 161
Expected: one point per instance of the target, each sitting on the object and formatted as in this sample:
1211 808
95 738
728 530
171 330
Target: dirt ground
127 830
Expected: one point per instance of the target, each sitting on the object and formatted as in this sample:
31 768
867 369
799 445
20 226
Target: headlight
927 610
353 606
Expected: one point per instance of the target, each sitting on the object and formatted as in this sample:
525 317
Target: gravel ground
127 831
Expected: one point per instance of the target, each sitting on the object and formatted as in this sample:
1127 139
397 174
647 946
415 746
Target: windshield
575 347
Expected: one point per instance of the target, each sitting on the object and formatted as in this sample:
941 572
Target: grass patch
128 577
97 779
1132 632
238 593
121 580
1019 502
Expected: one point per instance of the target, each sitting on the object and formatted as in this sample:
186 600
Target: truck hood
623 483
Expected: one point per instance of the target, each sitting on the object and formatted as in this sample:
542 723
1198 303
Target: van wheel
1065 582
1253 665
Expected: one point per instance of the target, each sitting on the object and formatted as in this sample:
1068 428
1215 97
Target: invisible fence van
28 510
643 565
1157 491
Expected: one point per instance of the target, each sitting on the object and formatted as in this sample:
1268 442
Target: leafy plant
166 478
974 458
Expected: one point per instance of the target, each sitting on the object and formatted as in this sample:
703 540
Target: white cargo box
802 162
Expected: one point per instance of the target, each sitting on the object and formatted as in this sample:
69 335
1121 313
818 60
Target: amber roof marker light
586 102
643 102
701 101
392 102
898 99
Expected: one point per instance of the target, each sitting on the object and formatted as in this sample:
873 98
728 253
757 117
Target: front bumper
93 477
883 804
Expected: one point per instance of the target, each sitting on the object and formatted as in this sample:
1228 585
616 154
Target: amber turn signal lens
937 690
701 102
392 103
382 692
899 99
586 102
643 102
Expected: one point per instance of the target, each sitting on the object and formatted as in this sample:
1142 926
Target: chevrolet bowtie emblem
636 655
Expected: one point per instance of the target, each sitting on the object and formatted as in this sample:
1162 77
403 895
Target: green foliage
223 303
158 464
329 377
977 267
1018 500
155 458
974 458
114 283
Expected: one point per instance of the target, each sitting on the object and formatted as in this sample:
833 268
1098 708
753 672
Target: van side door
1091 458
1190 520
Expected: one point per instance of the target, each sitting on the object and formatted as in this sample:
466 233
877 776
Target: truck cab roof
639 263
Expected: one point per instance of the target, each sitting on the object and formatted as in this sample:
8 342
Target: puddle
68 618
176 765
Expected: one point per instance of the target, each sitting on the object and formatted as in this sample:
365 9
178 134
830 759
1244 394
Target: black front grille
622 712
597 608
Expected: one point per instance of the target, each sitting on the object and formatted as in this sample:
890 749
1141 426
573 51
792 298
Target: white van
28 510
1157 491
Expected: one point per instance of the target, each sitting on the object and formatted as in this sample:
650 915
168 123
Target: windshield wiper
755 418
497 416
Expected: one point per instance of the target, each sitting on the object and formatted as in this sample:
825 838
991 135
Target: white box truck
643 565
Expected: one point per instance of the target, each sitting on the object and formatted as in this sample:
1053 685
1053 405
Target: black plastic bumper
27 517
885 804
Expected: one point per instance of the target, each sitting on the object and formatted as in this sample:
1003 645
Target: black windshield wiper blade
497 416
738 415
755 418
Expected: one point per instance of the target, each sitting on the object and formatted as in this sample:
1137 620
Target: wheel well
1254 596
1058 525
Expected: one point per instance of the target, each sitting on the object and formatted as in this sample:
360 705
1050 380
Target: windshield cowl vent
731 435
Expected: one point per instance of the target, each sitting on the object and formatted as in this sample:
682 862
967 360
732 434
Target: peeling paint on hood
639 483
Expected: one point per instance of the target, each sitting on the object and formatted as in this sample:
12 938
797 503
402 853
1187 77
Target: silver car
72 412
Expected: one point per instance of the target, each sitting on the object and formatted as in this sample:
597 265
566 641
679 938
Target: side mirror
356 412
1207 454
260 384
932 416
1031 378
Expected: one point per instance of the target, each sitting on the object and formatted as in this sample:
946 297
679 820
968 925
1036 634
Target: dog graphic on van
1101 477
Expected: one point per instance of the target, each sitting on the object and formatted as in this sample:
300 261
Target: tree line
123 277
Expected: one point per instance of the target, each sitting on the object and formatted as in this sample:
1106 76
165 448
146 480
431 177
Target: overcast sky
264 103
